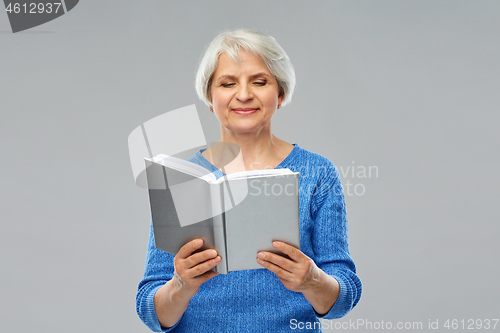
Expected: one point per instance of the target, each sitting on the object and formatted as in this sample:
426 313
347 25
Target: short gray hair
255 42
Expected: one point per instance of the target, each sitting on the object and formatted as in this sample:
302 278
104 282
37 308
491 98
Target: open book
238 214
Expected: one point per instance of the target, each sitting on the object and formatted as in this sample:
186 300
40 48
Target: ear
280 97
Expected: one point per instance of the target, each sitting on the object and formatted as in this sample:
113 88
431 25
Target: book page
270 211
258 173
185 166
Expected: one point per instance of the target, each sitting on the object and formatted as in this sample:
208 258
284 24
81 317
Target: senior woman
244 77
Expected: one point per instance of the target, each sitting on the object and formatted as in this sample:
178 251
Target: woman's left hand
299 273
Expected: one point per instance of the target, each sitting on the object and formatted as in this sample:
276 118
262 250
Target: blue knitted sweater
255 300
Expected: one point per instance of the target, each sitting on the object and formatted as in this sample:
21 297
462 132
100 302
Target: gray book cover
237 217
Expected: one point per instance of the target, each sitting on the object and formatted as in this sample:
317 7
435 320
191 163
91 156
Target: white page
256 173
185 166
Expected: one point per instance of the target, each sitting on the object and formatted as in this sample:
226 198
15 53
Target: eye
227 85
260 83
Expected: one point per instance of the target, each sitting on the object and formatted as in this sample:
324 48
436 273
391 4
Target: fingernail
213 253
261 255
198 242
217 259
276 244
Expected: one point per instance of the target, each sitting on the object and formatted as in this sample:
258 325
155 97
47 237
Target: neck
258 150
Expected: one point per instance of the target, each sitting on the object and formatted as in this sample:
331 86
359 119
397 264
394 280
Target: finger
200 257
294 253
277 260
279 271
205 277
202 268
189 248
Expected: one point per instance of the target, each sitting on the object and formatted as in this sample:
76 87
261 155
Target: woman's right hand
192 270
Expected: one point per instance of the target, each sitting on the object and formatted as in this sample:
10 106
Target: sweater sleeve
330 242
159 269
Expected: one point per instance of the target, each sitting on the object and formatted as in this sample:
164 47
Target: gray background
410 87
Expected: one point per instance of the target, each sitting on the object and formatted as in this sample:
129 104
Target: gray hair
255 42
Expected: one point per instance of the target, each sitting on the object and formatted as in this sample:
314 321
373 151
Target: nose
244 93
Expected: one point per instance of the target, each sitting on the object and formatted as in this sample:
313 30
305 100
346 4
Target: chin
243 130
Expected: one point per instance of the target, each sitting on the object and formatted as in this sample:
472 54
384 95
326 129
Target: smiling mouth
244 111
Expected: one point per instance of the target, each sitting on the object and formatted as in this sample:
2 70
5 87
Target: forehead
247 64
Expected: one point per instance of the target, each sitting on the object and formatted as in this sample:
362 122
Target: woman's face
244 95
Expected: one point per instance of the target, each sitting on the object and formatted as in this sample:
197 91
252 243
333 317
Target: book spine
219 225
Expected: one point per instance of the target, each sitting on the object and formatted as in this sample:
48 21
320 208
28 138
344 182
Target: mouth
245 111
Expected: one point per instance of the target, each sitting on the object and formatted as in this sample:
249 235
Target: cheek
272 99
218 104
271 96
220 99
220 107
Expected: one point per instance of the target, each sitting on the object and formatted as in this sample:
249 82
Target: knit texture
255 300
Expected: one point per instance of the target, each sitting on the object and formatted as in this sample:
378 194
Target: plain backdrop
409 88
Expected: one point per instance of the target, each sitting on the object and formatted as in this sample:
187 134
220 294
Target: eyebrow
232 77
